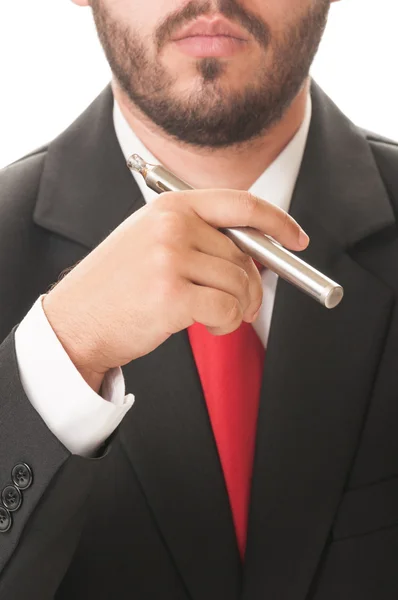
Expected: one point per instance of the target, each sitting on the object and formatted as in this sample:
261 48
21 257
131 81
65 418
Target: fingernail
303 238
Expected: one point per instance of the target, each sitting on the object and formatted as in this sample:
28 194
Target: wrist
93 379
75 344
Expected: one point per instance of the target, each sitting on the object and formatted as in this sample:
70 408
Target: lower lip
210 45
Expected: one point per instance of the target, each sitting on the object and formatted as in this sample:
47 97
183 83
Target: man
160 438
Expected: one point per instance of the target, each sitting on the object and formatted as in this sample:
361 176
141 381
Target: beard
211 116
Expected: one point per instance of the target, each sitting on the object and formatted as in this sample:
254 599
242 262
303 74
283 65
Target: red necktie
230 369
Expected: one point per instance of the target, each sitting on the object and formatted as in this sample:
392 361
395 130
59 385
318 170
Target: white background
51 67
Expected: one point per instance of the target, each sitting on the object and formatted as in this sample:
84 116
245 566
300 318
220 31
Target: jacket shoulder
376 138
19 185
385 152
382 146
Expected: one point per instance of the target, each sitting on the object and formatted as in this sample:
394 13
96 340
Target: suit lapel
320 365
86 190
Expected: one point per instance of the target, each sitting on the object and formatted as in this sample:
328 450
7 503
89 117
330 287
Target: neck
234 167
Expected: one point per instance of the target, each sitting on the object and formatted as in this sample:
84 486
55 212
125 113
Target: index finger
238 208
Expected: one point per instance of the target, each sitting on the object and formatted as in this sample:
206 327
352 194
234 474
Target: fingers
209 258
209 279
219 311
235 274
232 208
241 281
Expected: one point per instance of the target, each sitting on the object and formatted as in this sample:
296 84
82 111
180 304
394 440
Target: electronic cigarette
259 246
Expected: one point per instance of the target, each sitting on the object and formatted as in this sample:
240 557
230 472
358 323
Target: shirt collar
275 184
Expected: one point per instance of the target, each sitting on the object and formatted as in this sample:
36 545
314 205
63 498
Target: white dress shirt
81 419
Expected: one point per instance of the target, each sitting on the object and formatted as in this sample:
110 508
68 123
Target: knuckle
245 261
283 224
236 255
168 283
231 310
170 226
232 251
250 203
165 201
243 278
164 262
167 290
286 222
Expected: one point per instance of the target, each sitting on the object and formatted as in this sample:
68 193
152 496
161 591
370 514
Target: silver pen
259 246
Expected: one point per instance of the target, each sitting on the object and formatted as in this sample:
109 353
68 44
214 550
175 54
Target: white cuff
81 419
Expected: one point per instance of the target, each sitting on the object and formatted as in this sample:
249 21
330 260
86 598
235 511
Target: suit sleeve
81 419
43 490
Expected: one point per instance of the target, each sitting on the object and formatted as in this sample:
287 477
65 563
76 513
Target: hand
162 269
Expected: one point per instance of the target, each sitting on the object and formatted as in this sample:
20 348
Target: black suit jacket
151 518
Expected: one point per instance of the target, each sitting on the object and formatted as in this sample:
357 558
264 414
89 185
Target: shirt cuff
80 418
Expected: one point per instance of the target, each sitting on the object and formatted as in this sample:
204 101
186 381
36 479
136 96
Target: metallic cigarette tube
259 246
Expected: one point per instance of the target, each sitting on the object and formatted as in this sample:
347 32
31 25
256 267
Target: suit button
22 476
11 497
5 520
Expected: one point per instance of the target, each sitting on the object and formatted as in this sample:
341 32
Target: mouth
201 46
217 37
215 27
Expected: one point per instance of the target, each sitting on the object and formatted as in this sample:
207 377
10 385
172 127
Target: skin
189 271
